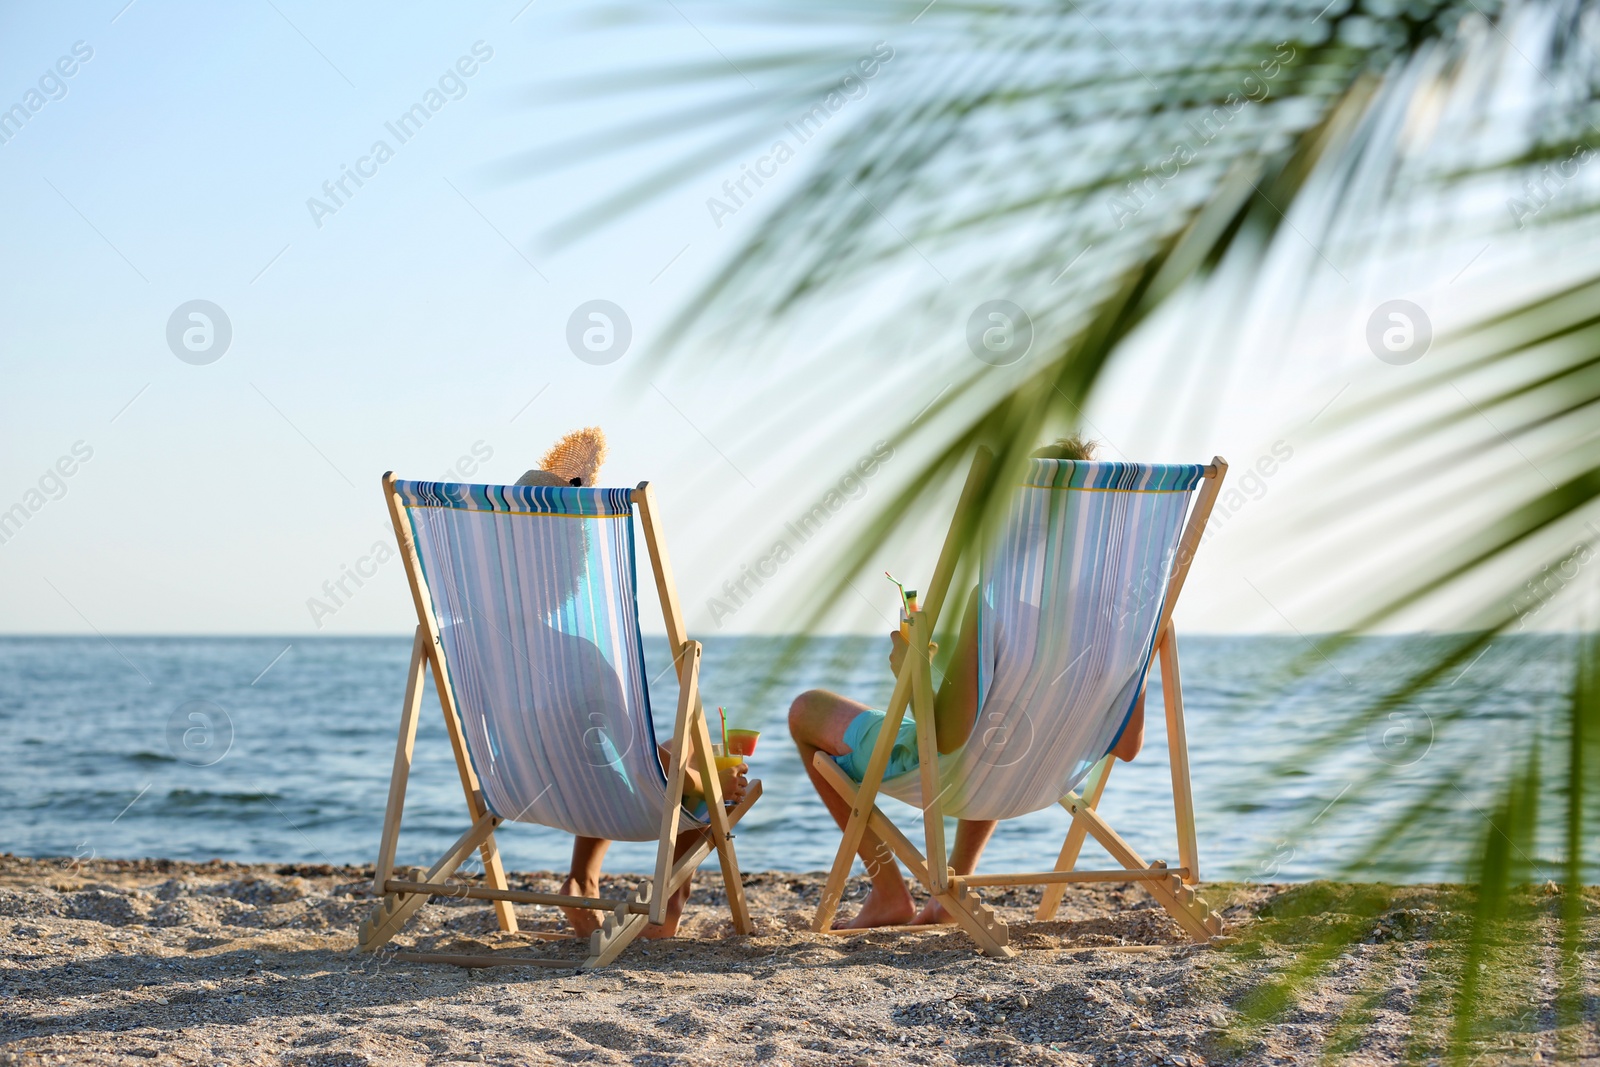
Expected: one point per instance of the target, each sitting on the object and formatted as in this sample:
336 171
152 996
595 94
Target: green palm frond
1105 165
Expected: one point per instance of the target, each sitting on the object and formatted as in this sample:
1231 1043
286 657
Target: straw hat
573 460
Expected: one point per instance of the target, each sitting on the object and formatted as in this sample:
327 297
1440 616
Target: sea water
279 750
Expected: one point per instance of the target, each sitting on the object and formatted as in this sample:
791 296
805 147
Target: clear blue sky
414 324
418 322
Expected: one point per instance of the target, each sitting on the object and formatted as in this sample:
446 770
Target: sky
412 321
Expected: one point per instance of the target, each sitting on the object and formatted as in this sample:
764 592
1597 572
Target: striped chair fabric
533 588
1071 595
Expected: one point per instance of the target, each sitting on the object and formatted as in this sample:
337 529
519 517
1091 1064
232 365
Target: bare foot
582 920
881 909
932 914
668 926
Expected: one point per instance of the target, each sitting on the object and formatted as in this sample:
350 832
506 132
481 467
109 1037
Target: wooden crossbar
1198 925
415 893
944 928
392 912
516 896
1058 877
463 959
920 928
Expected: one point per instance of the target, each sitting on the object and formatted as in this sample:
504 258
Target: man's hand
898 646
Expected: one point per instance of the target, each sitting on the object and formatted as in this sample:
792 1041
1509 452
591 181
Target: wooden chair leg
618 930
1178 756
1180 900
943 573
671 814
970 912
392 912
493 871
861 799
922 711
717 819
621 928
626 919
1096 785
405 745
494 874
685 867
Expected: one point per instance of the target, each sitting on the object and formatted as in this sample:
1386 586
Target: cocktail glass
742 742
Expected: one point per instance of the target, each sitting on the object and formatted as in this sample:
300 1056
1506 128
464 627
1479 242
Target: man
848 731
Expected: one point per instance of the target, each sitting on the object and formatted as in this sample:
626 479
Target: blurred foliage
1103 164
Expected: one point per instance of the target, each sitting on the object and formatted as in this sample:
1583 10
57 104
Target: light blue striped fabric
1071 596
534 591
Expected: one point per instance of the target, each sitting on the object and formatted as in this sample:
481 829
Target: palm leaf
1030 150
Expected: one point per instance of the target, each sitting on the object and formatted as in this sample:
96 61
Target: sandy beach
152 960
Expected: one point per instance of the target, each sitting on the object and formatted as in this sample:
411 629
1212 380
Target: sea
279 750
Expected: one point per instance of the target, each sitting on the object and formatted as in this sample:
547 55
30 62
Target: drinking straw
892 578
724 719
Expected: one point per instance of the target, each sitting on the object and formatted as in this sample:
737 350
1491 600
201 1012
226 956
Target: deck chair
1075 603
527 617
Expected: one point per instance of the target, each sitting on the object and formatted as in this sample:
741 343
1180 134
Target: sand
158 961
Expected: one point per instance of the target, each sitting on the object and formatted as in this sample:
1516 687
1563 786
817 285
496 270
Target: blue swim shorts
862 737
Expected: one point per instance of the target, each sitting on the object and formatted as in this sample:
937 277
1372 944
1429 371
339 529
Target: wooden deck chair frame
1172 887
628 916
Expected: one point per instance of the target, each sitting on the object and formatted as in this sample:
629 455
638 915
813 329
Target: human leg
971 837
818 721
687 840
1132 739
583 880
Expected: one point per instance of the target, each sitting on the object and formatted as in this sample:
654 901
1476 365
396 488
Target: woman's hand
732 779
734 783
